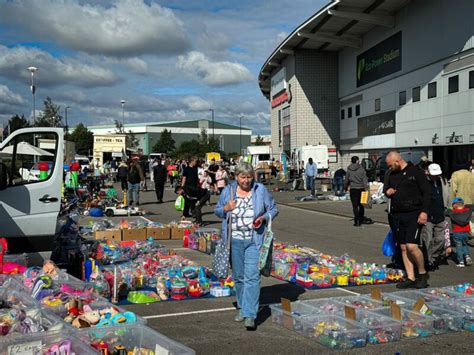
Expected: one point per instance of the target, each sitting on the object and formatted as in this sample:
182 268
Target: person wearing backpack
122 175
135 178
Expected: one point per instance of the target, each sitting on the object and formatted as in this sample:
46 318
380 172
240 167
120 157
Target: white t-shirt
242 218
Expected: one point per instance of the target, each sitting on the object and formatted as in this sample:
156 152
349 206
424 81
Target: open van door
30 182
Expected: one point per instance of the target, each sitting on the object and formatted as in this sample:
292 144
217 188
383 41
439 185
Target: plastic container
442 293
389 298
16 299
299 310
134 338
282 270
465 307
380 329
325 305
44 343
10 281
466 289
334 332
445 320
44 322
360 302
98 306
414 296
414 325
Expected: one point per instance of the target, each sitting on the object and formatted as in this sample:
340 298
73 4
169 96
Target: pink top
205 182
221 176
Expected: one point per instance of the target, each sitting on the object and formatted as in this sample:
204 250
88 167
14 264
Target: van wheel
109 213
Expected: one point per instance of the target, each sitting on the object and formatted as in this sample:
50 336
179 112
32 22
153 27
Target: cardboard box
134 234
110 234
159 233
178 233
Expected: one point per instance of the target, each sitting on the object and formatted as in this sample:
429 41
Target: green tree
165 144
17 122
259 140
188 149
83 138
50 117
131 141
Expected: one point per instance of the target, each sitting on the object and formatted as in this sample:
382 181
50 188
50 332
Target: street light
123 115
33 70
240 135
212 110
65 111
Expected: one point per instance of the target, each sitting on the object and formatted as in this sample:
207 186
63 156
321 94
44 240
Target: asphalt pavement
207 326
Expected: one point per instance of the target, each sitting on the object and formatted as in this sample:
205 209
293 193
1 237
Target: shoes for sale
468 260
406 284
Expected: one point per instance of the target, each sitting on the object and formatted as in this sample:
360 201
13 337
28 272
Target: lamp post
33 70
123 114
212 111
240 135
65 115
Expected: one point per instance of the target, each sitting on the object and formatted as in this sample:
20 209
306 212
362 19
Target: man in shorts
410 195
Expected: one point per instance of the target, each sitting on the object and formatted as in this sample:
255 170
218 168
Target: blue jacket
263 205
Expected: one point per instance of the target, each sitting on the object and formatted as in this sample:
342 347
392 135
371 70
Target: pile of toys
55 309
313 269
204 240
154 273
350 322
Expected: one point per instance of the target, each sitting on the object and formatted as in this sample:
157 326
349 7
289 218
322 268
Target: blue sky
169 60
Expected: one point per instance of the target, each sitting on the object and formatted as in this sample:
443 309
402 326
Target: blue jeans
310 184
460 242
246 276
338 186
133 194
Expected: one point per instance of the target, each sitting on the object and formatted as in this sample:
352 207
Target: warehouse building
367 76
230 137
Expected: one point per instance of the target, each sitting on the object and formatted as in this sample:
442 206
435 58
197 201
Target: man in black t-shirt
190 184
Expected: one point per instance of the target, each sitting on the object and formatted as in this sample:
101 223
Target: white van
30 208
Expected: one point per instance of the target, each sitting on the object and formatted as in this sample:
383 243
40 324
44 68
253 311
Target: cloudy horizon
169 60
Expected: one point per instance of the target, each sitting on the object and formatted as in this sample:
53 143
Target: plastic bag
388 246
179 203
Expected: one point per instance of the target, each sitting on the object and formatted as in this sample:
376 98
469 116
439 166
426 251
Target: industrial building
367 76
231 138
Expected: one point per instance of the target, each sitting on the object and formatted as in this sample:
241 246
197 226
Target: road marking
348 291
189 313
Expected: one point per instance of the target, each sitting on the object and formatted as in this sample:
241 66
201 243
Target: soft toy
42 287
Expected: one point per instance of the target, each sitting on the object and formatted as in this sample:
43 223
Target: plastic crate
413 296
360 302
414 325
335 332
134 337
97 306
326 305
11 281
465 307
380 329
442 293
298 311
41 343
461 289
445 320
47 321
16 299
282 270
389 298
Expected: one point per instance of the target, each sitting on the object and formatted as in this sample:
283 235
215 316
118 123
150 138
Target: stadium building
366 76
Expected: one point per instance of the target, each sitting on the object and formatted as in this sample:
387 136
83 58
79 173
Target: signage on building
285 96
381 60
332 155
381 123
278 82
109 139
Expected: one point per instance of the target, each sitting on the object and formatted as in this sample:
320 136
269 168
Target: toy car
118 211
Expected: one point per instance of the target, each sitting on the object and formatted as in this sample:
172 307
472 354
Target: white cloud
195 103
52 71
200 67
10 98
137 65
126 28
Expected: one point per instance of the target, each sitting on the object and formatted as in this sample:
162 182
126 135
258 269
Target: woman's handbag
221 261
266 251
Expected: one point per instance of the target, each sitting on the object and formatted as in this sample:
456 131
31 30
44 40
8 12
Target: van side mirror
3 176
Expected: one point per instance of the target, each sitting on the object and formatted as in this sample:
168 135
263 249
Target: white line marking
189 313
348 291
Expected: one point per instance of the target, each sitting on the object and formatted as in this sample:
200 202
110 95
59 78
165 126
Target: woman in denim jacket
245 207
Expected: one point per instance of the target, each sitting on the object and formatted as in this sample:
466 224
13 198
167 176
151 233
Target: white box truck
319 154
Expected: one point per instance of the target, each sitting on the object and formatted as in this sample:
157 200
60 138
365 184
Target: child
460 218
